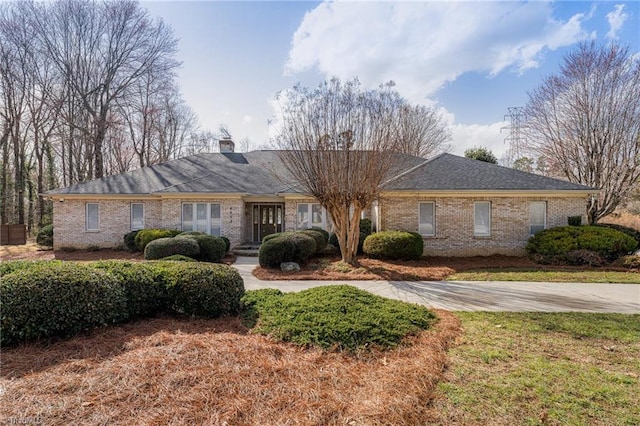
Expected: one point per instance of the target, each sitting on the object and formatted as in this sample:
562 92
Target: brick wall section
115 220
455 222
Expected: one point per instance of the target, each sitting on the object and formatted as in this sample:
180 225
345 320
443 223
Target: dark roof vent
227 145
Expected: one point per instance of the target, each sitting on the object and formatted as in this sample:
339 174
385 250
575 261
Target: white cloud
424 45
616 19
465 136
247 119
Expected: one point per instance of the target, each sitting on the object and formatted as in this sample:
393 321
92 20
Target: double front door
267 219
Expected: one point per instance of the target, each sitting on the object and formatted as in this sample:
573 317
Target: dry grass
171 371
624 218
424 269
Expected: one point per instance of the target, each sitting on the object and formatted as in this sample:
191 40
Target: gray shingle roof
259 172
263 173
448 172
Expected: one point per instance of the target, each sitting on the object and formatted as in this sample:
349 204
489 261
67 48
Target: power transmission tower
518 135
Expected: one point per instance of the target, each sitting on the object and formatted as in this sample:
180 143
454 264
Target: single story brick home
462 207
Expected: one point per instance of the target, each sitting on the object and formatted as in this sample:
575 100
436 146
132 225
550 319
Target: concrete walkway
479 295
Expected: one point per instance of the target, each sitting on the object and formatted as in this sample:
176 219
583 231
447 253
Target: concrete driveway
480 295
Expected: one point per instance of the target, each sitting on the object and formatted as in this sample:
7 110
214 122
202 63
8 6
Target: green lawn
544 368
518 274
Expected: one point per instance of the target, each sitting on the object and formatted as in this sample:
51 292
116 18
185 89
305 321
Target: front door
269 220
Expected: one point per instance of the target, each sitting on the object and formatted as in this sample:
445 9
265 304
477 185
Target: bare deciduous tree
101 49
586 120
338 143
423 131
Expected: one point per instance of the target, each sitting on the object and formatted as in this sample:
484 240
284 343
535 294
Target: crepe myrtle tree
340 144
586 122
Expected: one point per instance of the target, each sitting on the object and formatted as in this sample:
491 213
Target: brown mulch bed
178 371
425 269
32 251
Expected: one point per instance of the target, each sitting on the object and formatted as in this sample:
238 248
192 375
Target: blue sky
471 59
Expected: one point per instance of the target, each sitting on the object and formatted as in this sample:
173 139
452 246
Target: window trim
194 215
131 216
86 217
544 225
433 225
475 210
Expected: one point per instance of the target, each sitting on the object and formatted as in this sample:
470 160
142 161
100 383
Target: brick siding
454 222
453 217
115 220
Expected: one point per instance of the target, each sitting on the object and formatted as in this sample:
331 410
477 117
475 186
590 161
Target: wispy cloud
422 46
616 19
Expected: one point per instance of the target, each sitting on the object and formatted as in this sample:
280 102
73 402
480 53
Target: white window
538 216
92 217
202 217
482 219
137 216
311 215
427 219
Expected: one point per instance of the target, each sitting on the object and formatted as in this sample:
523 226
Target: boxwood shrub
203 289
45 236
633 233
179 258
304 246
333 240
320 238
130 240
275 250
145 236
341 317
58 299
557 242
143 285
212 249
227 244
394 245
164 247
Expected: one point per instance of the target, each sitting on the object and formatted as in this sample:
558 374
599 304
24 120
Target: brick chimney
227 145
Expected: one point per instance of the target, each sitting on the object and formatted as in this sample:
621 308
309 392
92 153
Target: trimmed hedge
274 251
341 317
333 240
178 258
227 244
145 236
394 245
143 285
58 299
557 242
130 240
291 246
633 233
320 238
202 289
45 236
53 298
164 247
212 249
